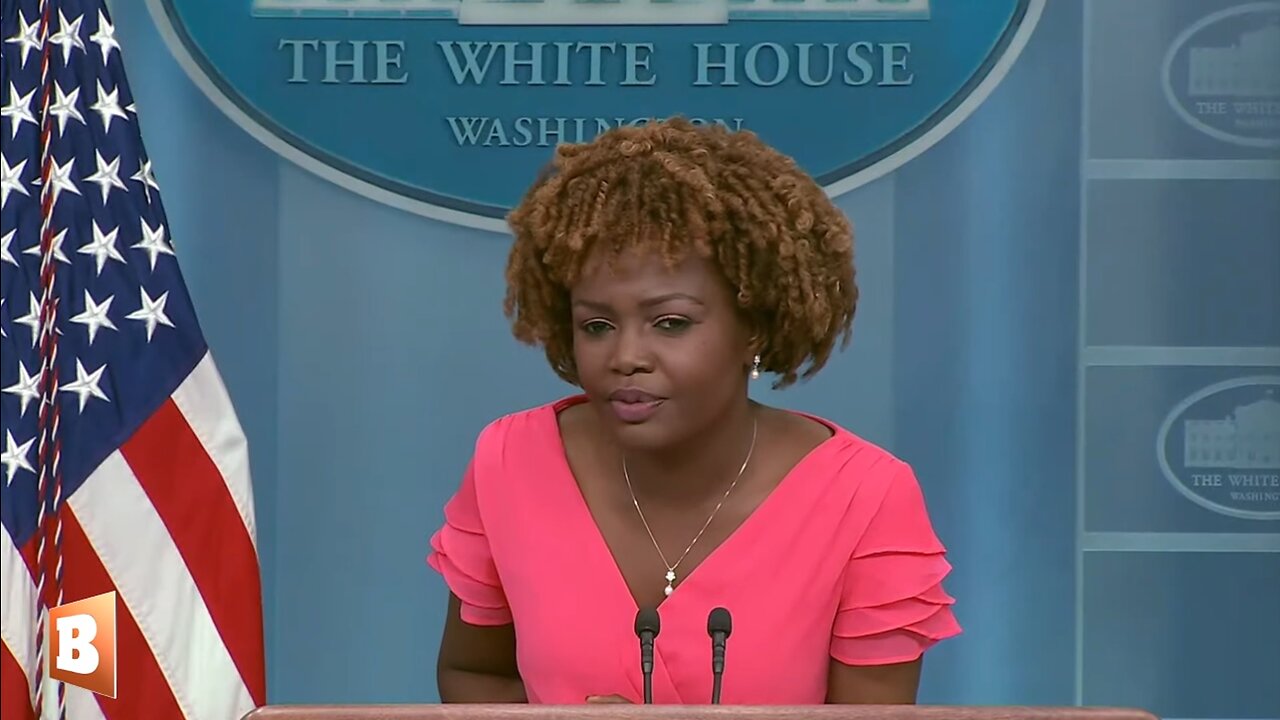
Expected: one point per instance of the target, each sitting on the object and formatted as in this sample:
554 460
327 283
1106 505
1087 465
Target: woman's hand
608 699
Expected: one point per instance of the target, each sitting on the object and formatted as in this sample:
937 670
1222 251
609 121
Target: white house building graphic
1248 439
1248 68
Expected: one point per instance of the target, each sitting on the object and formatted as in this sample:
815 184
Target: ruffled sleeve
893 606
460 553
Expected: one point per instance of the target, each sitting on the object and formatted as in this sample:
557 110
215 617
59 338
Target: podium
689 712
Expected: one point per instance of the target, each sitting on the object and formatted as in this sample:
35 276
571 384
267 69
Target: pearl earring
755 368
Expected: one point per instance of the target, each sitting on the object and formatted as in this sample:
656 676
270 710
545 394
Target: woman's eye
595 327
673 323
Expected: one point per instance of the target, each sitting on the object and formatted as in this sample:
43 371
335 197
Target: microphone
719 625
648 624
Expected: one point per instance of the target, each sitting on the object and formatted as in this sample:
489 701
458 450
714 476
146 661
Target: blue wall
365 348
984 391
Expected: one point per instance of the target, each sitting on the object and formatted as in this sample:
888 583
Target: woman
663 268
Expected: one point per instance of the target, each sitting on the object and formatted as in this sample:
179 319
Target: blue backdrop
1042 288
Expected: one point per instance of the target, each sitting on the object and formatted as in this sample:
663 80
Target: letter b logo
83 644
76 653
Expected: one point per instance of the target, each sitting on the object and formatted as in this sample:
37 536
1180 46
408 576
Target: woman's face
661 353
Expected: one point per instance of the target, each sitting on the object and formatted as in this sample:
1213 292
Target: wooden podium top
688 712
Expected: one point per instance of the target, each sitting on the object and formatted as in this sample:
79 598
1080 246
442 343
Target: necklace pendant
671 577
668 590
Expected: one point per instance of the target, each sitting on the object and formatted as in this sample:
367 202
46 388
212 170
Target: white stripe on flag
18 605
83 705
203 400
155 584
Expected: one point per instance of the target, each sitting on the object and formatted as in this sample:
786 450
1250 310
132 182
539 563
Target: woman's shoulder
521 441
845 453
853 477
529 424
855 499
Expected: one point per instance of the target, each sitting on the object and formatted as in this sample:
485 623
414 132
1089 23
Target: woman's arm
477 664
873 684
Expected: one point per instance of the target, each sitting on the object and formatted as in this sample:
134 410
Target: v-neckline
600 545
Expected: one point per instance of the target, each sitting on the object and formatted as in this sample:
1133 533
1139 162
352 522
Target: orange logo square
82 637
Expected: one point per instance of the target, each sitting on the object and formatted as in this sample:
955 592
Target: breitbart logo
83 644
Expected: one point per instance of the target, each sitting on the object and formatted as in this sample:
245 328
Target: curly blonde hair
677 188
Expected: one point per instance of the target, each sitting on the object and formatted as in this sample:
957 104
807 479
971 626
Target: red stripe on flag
192 499
141 688
28 553
15 700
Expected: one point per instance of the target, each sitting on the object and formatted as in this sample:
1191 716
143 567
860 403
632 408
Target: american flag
124 466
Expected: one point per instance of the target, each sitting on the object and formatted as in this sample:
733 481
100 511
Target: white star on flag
32 319
102 247
27 387
95 316
108 106
145 177
68 36
86 384
5 254
105 37
107 176
61 179
64 107
15 456
28 36
11 179
153 243
18 110
151 312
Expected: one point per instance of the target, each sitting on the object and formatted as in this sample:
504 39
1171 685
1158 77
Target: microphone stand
719 626
648 625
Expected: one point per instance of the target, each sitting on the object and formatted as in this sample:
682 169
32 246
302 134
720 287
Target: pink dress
840 561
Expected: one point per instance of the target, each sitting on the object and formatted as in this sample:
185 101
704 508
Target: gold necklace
671 569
